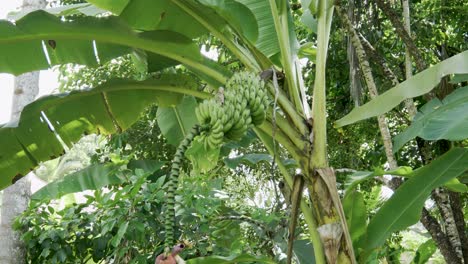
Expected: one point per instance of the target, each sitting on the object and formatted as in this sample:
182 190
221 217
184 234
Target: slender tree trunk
408 63
16 197
368 77
354 80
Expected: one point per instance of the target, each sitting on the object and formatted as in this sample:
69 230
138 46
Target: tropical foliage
296 52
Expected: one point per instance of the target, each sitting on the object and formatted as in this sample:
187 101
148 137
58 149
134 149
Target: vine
228 115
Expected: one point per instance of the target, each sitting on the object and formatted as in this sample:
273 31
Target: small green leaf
356 215
458 78
308 50
203 160
360 176
304 251
424 252
115 241
455 185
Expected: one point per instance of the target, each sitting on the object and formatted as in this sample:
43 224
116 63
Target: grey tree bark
16 197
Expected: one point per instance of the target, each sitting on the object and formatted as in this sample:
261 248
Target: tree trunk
409 104
16 197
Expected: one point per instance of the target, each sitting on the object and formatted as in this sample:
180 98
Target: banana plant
259 33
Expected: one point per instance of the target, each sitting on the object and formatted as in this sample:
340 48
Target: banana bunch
244 105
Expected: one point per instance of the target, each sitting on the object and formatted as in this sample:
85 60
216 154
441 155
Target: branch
402 33
370 50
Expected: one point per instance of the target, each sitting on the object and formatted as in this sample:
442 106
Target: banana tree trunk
16 197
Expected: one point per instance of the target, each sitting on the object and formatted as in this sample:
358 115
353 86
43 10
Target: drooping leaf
424 252
417 85
93 177
22 43
356 215
90 178
202 159
75 41
243 258
404 207
176 121
106 109
446 119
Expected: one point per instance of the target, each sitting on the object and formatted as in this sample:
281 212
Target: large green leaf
91 178
356 214
160 15
54 120
176 121
237 15
404 207
417 85
114 6
218 20
446 119
243 258
267 41
152 15
72 41
22 43
65 10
